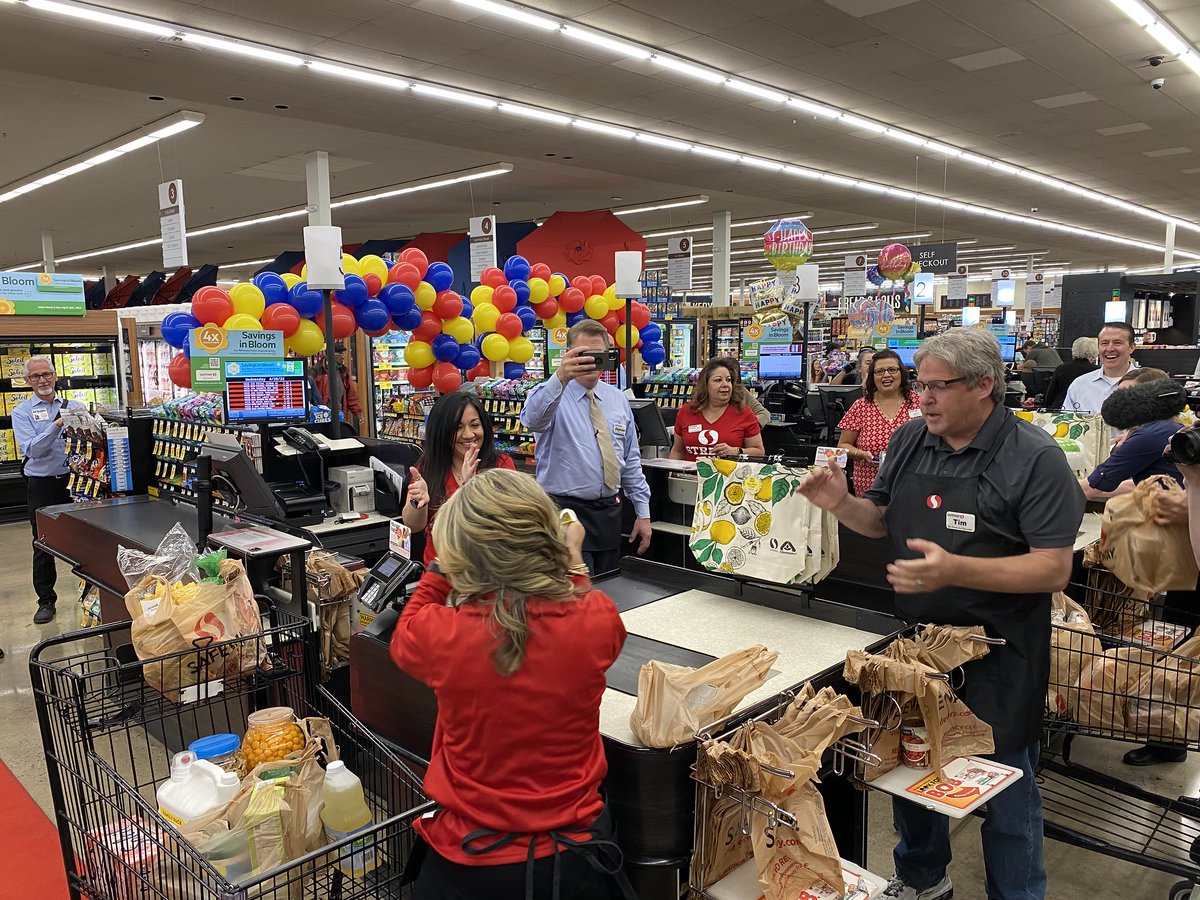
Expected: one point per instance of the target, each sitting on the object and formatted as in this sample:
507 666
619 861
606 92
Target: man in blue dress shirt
587 448
37 426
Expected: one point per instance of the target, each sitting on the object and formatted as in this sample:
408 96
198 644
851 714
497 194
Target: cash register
386 587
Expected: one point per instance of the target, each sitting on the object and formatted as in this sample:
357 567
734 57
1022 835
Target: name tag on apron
41 415
960 522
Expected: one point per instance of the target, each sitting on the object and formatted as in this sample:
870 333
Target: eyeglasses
936 387
39 376
887 371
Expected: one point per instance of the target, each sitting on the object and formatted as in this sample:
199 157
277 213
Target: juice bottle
345 812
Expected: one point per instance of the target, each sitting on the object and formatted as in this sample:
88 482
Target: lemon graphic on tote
735 493
724 466
722 531
762 523
752 483
1062 430
764 492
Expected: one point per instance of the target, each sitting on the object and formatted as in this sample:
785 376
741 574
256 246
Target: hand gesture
575 362
922 575
418 490
470 464
574 540
724 450
1170 508
826 488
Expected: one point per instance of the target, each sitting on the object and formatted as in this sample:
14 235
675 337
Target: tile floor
1074 874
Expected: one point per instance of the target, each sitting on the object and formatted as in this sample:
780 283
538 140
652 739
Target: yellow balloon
559 320
304 272
425 294
291 279
485 317
558 284
350 265
247 299
619 337
494 347
460 329
307 340
539 290
596 307
482 294
614 302
418 354
242 322
373 265
520 350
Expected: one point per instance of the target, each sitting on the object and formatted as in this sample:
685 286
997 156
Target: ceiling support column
720 260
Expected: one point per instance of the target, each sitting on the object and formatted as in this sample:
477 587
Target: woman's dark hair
441 431
700 392
869 380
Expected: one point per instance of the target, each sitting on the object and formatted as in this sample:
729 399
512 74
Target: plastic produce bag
1146 556
1165 703
1074 646
172 560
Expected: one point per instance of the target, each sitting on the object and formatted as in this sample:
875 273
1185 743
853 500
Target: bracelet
578 569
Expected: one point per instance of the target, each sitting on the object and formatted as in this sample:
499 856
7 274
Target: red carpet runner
30 855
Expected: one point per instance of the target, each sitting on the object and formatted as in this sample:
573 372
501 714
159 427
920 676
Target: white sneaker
898 889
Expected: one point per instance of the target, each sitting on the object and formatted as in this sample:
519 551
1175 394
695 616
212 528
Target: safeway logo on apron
933 501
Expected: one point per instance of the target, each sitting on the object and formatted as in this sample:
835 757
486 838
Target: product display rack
402 416
87 458
177 443
389 380
671 388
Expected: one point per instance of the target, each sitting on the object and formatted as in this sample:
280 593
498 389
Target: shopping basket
109 738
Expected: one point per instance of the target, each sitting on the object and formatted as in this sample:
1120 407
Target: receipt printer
351 489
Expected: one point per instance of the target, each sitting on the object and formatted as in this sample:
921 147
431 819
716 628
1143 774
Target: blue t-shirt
1139 457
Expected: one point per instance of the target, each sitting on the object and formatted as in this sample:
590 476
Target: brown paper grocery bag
1146 556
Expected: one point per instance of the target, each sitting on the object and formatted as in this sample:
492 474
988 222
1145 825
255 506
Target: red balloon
180 371
620 311
374 283
492 277
547 309
448 305
281 317
430 327
583 283
540 270
599 285
572 299
641 315
483 370
611 322
421 378
406 274
211 306
504 298
417 258
624 355
446 378
344 323
509 325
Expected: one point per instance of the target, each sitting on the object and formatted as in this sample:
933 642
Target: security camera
1155 60
1158 83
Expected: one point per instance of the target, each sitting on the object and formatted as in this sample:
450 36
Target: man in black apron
982 510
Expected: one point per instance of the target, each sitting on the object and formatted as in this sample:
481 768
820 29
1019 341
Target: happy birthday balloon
788 243
894 260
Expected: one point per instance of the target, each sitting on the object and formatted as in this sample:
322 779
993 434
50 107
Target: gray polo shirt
1028 494
1044 357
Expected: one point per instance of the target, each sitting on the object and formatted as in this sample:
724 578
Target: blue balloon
527 316
187 349
574 317
651 334
521 287
176 327
372 315
440 275
517 268
514 370
273 287
445 348
408 321
308 303
653 354
398 298
354 294
468 356
468 308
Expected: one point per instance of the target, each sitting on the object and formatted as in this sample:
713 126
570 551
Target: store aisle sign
939 259
41 294
211 347
679 263
956 284
1035 290
483 244
854 282
172 224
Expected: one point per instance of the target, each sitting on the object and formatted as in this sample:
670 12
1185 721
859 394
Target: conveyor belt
623 674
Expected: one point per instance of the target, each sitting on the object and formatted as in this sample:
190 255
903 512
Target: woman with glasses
887 403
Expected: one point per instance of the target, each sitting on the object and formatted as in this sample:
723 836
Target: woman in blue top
1145 403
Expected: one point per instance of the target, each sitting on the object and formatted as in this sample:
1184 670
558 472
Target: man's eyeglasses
937 387
39 376
887 371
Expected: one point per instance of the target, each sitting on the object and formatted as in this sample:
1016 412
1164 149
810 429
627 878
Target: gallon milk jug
346 812
196 786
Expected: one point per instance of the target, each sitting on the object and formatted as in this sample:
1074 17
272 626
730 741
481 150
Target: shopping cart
1123 682
109 738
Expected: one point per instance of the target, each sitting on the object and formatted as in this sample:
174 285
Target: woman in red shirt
717 421
458 444
508 632
887 403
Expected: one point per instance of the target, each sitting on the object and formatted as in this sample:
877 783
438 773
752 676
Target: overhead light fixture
673 203
462 98
253 51
355 73
244 263
532 112
106 152
95 14
683 67
599 39
525 16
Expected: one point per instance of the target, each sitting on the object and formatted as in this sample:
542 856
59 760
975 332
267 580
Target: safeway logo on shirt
707 437
933 501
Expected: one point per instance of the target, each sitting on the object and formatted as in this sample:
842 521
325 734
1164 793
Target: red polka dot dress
874 431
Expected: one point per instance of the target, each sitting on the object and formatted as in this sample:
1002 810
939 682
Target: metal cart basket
1123 679
109 738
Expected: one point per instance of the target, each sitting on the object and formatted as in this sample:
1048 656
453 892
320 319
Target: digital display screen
265 390
1008 349
905 348
780 361
387 567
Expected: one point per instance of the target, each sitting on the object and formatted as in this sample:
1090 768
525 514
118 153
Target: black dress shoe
1152 755
44 614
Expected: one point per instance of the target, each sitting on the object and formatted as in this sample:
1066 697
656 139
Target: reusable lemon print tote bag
1083 437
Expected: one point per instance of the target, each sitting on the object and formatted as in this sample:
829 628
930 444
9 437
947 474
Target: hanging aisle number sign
172 224
679 263
483 245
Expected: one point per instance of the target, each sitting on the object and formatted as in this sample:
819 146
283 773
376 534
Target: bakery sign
899 300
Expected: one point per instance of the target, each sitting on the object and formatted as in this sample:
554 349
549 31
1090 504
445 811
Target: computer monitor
905 348
233 473
1008 348
265 391
780 361
652 430
836 400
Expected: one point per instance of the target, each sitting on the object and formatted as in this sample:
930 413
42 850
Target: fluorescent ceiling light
604 128
865 124
673 203
756 90
517 14
532 112
243 264
715 153
254 51
687 68
460 97
817 109
354 73
106 152
660 141
603 40
95 14
1172 43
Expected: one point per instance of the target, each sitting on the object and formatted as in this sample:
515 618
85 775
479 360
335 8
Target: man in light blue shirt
1088 392
37 426
587 448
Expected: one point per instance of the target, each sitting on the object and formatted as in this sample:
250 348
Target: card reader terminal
385 583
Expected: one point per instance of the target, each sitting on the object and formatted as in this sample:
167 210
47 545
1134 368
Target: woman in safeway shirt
717 421
515 643
458 443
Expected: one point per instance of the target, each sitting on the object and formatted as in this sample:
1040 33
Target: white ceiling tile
861 8
1130 128
998 57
